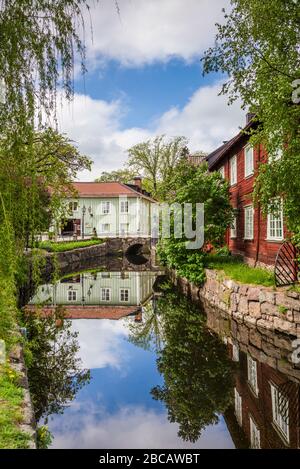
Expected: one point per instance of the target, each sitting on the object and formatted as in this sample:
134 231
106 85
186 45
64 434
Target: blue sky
116 409
145 78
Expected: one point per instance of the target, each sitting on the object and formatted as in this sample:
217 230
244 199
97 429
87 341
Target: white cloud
100 344
130 427
148 31
96 126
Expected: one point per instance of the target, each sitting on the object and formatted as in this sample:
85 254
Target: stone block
243 305
285 326
269 309
254 309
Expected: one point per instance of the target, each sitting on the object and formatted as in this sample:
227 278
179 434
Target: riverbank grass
63 246
235 269
11 401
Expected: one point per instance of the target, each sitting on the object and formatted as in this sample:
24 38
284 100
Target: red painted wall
241 196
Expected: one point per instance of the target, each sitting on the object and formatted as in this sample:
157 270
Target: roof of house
109 189
215 156
91 311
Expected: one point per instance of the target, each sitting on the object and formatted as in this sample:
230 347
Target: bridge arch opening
135 254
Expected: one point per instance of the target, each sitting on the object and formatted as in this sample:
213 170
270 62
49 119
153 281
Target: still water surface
167 374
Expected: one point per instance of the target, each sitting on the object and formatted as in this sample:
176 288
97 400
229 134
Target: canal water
137 365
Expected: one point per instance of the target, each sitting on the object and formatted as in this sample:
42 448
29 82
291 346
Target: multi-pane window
249 160
105 207
248 222
72 295
124 228
254 434
233 170
280 411
105 294
235 352
124 206
124 294
233 231
105 274
222 171
238 407
252 374
275 223
105 228
73 206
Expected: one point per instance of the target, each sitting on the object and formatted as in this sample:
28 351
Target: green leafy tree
258 49
190 184
119 175
195 366
55 372
155 160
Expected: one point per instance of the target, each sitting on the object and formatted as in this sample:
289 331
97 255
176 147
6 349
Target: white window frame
121 292
238 408
103 230
124 206
252 374
122 231
73 206
104 296
275 221
278 154
233 170
233 228
73 294
249 160
248 234
235 352
222 171
105 275
105 207
279 422
254 434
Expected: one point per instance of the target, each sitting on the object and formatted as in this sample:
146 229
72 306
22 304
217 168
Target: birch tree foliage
257 48
39 42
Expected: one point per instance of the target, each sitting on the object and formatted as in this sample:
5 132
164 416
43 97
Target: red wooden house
253 235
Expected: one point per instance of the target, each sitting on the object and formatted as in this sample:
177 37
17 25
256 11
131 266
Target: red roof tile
107 189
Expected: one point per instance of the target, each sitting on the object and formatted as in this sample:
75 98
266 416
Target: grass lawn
68 245
11 399
235 269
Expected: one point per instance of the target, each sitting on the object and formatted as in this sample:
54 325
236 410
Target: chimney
138 182
249 117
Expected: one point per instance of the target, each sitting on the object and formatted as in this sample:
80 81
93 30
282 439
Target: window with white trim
105 228
252 374
277 155
233 230
254 434
105 294
124 294
238 407
72 295
233 170
280 411
105 274
235 352
73 206
124 206
249 160
275 223
124 228
105 206
248 211
222 171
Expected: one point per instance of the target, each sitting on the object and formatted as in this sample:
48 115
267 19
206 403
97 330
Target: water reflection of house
266 404
108 209
105 294
266 394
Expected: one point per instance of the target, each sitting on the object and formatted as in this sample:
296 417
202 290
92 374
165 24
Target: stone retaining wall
28 424
276 309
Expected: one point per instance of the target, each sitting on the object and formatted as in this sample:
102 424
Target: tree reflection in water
54 370
197 372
